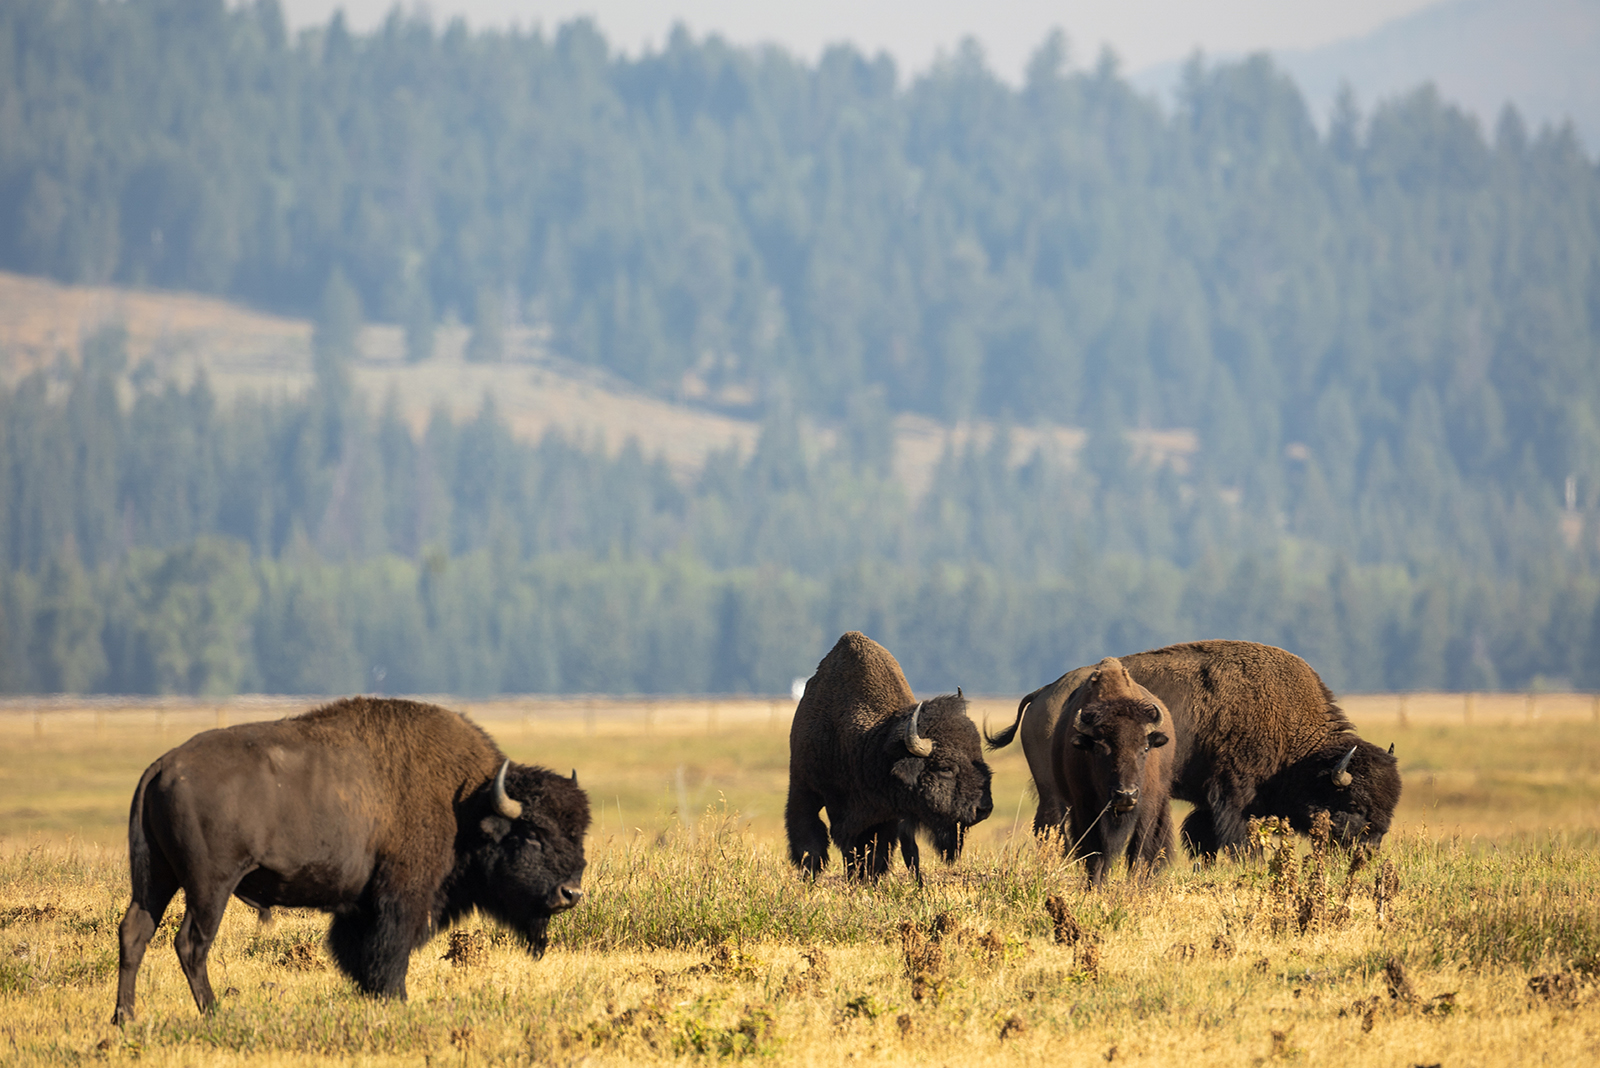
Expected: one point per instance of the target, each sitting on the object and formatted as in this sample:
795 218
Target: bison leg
151 896
909 852
808 836
372 944
1049 817
1152 845
868 856
1199 834
202 916
1097 863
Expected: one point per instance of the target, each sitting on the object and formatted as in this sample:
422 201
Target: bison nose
1126 799
984 808
563 897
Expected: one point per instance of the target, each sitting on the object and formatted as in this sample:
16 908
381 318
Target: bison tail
138 839
1002 738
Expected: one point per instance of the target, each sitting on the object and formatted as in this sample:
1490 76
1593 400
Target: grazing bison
1256 733
397 817
1112 766
882 764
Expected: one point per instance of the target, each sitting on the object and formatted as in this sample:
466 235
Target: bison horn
506 805
1341 771
574 776
916 744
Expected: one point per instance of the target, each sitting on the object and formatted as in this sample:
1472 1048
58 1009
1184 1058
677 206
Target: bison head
941 779
1355 782
524 850
1118 725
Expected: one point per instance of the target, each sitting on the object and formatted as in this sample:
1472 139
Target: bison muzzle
398 818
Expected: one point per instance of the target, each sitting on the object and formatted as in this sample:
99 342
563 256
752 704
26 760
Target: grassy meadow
1474 938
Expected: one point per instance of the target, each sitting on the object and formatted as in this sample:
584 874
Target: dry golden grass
705 946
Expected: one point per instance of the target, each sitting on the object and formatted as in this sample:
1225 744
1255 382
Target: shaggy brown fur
1256 733
380 811
849 753
1113 766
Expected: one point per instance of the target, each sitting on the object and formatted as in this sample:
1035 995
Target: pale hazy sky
1142 32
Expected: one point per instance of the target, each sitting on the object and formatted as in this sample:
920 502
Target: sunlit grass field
1473 939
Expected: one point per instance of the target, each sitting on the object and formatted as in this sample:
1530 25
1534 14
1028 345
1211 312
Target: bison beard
397 817
881 764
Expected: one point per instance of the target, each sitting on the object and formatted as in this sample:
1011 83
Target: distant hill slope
172 336
1541 55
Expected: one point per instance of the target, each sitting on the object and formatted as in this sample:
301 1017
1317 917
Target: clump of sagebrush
301 956
1068 932
708 1025
941 952
814 979
468 948
1385 892
1300 896
924 962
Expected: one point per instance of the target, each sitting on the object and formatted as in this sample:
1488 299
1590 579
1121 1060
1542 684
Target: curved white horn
506 805
1341 773
916 744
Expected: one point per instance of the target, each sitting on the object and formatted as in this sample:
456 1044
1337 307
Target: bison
1112 766
881 763
1256 733
399 818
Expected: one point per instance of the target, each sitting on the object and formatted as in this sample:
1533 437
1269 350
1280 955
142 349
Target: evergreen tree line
1385 338
1401 296
317 545
208 618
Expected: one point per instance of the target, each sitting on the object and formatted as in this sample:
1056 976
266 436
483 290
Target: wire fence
633 714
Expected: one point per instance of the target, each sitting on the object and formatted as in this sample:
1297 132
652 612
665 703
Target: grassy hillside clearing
173 336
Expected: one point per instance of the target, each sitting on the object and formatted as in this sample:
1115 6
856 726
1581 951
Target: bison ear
494 827
1156 739
1083 741
908 770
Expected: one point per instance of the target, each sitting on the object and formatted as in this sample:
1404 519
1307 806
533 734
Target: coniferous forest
1384 332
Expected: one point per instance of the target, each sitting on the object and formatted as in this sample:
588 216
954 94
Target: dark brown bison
1256 733
881 763
397 817
1111 764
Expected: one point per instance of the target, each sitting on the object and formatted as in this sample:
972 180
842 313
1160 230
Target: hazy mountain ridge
1542 56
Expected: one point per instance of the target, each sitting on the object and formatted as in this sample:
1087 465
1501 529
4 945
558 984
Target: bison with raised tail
1256 733
1113 767
881 763
399 818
